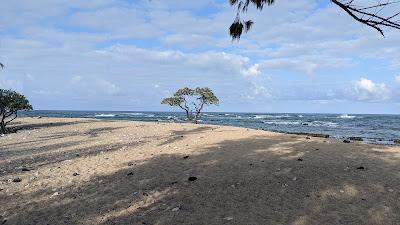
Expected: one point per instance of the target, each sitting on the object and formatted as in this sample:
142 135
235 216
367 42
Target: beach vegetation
192 101
10 103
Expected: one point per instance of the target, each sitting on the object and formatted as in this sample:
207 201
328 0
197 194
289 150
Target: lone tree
10 103
198 97
370 14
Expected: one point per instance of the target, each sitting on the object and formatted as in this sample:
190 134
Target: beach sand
86 171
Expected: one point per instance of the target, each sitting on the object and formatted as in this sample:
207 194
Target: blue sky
300 56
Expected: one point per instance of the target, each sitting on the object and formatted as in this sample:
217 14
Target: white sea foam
133 114
345 116
105 115
270 116
280 122
322 124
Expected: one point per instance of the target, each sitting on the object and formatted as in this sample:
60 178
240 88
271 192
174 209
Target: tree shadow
257 180
179 134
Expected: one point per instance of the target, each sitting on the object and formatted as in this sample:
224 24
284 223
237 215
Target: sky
300 56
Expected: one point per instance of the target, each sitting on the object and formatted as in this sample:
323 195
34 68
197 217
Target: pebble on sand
192 178
16 180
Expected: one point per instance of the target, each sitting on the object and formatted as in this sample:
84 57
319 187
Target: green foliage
197 97
10 103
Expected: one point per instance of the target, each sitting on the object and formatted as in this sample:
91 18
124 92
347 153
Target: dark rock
130 174
145 194
25 169
251 164
304 124
308 134
130 164
192 178
300 159
308 138
317 149
186 157
77 154
174 182
4 222
360 168
75 174
396 141
346 141
16 180
356 138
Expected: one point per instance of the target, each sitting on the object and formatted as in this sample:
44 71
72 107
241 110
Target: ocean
381 129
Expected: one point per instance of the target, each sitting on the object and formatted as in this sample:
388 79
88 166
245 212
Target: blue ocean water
374 128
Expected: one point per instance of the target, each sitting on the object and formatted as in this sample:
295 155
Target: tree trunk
3 129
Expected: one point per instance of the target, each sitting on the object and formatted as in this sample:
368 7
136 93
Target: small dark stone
304 124
364 199
16 180
174 182
1 189
4 222
192 178
262 161
25 169
145 194
186 157
130 164
317 149
300 159
308 138
75 174
346 141
396 141
130 174
181 136
77 154
251 164
360 168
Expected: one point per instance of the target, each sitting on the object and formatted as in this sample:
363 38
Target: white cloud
367 90
252 71
397 79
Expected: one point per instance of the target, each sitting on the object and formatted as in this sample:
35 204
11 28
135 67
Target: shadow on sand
245 181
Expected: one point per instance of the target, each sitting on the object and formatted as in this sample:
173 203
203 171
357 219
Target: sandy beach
86 171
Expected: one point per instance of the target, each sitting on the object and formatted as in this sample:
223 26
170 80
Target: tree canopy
198 98
10 103
371 15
